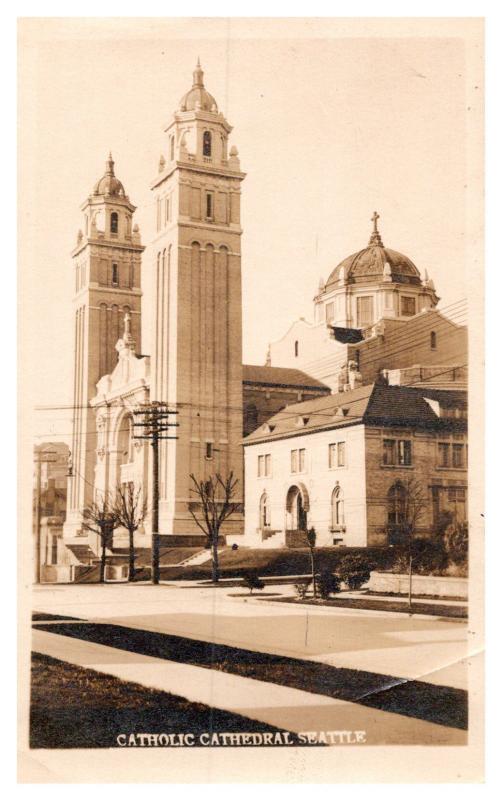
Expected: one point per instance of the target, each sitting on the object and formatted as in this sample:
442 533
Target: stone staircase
202 557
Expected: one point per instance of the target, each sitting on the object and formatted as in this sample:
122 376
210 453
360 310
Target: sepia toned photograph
251 291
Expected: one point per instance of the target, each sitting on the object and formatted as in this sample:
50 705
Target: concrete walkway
427 649
285 708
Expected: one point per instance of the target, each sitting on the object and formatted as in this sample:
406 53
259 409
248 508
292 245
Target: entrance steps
198 558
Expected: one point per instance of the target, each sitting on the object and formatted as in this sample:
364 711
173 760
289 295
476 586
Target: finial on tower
375 236
198 74
110 164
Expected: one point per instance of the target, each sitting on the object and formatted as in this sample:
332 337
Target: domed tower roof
368 265
198 98
109 185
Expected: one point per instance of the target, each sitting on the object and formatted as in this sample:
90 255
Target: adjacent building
345 463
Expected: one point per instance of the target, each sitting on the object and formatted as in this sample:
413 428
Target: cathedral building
373 303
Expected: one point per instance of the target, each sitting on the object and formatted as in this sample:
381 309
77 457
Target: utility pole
42 457
152 420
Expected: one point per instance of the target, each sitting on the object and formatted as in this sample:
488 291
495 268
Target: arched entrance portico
297 507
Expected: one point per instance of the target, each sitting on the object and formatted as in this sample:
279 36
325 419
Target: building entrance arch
297 507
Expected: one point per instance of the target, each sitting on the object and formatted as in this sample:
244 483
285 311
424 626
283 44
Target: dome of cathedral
109 184
371 264
198 98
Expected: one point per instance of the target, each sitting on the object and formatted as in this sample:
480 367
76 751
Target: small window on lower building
294 460
341 454
209 450
433 340
457 455
301 460
389 452
444 454
115 274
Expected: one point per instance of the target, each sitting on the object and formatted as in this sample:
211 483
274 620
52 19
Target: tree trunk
132 556
312 564
216 571
103 560
410 575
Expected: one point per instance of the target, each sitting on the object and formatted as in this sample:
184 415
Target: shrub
327 583
457 543
252 581
354 571
429 558
301 589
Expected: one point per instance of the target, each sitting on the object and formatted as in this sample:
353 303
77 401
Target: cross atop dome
375 238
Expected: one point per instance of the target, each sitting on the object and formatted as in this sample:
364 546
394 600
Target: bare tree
215 503
101 518
130 508
413 507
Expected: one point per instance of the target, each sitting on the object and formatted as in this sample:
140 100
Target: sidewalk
285 708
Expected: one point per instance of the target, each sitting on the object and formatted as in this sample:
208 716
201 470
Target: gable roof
280 376
373 404
333 411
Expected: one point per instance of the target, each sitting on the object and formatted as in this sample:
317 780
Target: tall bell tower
107 269
196 255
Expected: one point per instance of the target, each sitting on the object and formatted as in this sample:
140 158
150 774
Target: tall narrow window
115 274
294 460
166 211
364 311
296 349
389 452
444 454
337 515
396 504
330 312
209 205
301 460
171 150
341 454
114 222
433 340
206 144
209 450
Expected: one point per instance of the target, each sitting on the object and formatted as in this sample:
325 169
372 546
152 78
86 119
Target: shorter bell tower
107 272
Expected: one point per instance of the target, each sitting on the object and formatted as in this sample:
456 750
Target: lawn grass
413 698
75 707
373 604
276 562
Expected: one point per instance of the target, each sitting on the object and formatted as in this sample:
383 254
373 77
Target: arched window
264 511
171 152
114 222
115 274
206 144
297 349
125 443
337 510
433 340
396 504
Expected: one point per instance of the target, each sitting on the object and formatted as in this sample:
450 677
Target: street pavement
429 649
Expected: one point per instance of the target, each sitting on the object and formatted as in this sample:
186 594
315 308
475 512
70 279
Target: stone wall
421 585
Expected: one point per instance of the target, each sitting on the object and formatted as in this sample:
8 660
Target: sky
333 119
